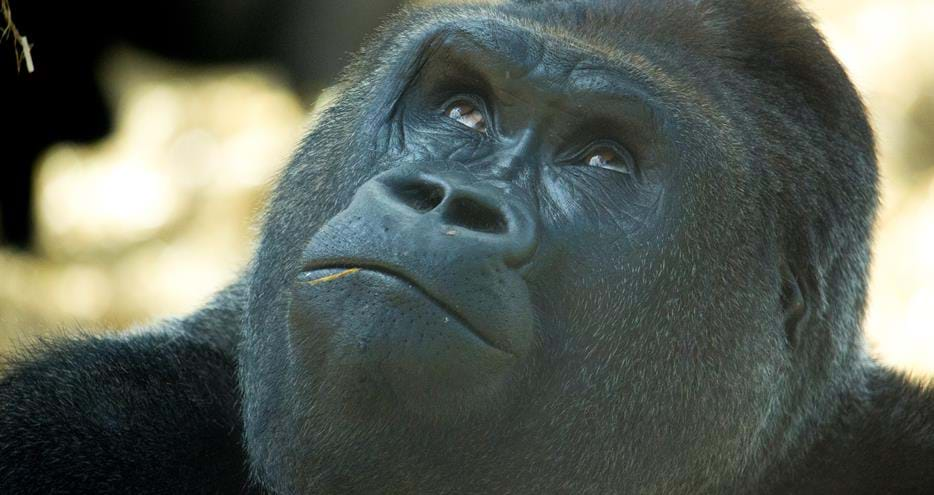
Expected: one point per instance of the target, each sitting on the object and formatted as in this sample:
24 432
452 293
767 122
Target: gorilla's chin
378 337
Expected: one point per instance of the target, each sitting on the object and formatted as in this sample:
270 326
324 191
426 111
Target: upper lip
401 274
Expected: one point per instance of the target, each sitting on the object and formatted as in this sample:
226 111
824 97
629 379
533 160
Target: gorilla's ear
795 306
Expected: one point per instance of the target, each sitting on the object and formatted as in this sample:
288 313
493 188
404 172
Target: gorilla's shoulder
141 413
882 441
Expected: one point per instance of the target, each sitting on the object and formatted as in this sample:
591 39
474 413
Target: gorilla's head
563 246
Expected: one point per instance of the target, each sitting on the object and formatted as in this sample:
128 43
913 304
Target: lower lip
321 277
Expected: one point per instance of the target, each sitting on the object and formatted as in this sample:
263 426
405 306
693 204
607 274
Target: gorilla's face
512 258
513 192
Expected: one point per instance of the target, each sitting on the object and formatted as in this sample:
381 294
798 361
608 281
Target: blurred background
137 157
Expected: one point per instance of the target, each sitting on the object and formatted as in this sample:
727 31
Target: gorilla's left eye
466 113
610 158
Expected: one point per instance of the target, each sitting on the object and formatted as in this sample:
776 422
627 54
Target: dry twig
25 52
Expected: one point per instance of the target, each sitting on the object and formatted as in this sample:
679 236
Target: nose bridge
515 160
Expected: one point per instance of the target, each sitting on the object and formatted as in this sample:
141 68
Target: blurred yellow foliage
152 220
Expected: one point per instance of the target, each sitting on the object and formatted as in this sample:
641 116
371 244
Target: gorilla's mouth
323 274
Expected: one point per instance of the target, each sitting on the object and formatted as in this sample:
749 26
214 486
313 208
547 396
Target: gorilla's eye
610 158
467 113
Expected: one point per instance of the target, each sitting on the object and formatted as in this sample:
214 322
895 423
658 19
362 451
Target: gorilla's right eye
466 113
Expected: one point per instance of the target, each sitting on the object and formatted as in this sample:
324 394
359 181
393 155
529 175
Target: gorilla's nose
457 205
437 252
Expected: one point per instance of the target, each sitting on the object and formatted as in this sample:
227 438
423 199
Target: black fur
154 413
881 440
688 325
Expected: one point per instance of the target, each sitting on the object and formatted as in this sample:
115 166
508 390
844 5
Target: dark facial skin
541 261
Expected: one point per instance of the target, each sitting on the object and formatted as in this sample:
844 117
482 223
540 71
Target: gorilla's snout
417 280
480 220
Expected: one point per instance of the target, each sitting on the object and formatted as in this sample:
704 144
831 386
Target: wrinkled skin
573 247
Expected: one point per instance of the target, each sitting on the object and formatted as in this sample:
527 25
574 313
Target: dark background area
63 100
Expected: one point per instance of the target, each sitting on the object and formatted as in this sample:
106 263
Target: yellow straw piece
333 277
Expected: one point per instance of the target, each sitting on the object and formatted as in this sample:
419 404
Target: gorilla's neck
881 442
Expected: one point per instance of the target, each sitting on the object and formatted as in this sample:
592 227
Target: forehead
514 52
549 57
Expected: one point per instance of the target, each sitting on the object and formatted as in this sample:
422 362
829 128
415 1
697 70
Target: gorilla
580 246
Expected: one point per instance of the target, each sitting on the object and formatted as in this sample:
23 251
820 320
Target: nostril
418 195
473 215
